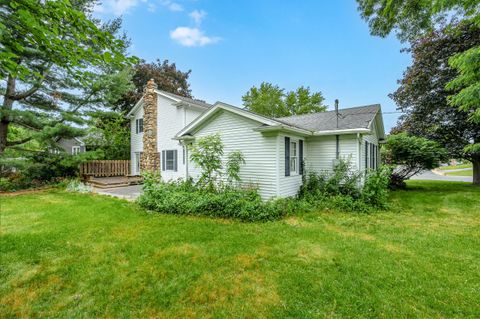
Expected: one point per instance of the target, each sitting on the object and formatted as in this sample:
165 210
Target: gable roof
179 100
351 120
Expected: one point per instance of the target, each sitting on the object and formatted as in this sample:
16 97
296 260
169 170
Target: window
137 163
169 159
371 156
139 126
75 150
293 157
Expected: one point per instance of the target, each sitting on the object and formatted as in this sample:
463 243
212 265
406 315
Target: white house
277 151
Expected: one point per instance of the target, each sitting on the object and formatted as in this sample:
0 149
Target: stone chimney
150 158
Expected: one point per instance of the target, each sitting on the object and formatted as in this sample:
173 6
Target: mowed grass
461 173
467 165
69 255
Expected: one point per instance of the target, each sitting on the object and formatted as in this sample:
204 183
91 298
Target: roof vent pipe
336 110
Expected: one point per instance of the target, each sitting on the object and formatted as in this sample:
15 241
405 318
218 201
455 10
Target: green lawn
461 173
443 168
71 255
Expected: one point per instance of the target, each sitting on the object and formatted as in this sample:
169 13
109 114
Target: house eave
284 128
342 132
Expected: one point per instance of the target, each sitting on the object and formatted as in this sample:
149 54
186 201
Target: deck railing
105 168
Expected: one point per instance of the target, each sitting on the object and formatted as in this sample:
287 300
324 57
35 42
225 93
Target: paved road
128 192
428 175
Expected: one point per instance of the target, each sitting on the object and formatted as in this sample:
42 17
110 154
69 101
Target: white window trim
172 161
296 171
75 150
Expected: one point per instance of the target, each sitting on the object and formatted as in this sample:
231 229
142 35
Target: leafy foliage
207 154
341 189
423 97
57 61
165 74
272 101
234 162
411 155
186 198
110 134
411 19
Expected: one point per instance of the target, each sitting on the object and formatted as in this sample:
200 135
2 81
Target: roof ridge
330 111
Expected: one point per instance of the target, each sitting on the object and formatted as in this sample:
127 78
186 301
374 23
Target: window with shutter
300 156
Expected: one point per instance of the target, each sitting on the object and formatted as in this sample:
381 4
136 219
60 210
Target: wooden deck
114 181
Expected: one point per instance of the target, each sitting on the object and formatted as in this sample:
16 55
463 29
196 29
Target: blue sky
233 45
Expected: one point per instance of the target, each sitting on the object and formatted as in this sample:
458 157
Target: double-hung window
75 150
139 125
293 158
169 159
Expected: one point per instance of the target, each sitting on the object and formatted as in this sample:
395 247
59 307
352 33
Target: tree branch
18 142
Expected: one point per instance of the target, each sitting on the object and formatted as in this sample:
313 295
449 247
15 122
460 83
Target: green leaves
272 101
467 82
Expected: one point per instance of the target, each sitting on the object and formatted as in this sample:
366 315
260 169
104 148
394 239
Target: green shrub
343 180
184 198
342 189
375 189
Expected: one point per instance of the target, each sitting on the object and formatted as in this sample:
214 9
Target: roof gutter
273 128
340 132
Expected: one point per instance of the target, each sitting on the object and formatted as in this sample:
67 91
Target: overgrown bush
343 180
345 189
186 198
375 189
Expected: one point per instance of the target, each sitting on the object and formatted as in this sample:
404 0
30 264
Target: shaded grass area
72 255
467 165
461 173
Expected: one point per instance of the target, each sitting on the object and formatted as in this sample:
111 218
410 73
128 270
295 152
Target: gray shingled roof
188 100
351 118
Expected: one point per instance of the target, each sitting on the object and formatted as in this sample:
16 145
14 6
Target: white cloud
197 16
119 7
192 37
116 7
173 6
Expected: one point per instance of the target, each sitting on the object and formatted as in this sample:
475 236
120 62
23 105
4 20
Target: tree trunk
476 170
5 116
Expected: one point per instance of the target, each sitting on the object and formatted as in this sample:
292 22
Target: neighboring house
277 151
72 146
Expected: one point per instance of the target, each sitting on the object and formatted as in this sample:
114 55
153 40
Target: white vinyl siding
136 140
171 119
322 151
259 151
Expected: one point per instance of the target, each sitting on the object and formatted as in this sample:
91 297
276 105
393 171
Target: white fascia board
167 96
284 128
186 104
134 109
341 132
199 120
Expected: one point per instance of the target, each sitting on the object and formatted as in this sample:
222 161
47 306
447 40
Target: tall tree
166 75
424 99
55 62
272 101
412 19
